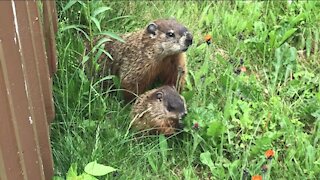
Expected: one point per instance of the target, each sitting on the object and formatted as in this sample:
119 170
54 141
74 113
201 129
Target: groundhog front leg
181 78
174 73
175 77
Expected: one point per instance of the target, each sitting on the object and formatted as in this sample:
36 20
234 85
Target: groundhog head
159 111
171 36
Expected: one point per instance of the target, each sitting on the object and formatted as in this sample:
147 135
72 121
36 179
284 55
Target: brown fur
148 56
159 111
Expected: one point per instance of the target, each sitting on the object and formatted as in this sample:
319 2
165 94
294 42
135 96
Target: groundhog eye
159 95
170 34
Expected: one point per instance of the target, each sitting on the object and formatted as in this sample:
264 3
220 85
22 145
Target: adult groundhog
159 111
155 53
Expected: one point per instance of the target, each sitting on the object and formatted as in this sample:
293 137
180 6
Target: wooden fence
27 63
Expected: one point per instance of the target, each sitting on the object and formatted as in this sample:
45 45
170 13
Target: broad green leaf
99 53
297 19
83 76
84 59
196 141
72 172
293 54
109 77
245 119
96 169
163 144
216 128
100 10
259 26
96 22
112 35
86 176
287 35
76 27
205 158
106 53
99 44
288 71
68 5
291 63
272 36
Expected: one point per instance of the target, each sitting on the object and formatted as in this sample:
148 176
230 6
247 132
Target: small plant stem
91 59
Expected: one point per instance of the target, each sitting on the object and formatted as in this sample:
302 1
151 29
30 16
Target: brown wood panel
12 34
10 163
54 16
50 28
27 62
33 64
3 170
42 46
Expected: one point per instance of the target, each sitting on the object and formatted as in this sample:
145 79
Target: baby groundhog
159 111
153 54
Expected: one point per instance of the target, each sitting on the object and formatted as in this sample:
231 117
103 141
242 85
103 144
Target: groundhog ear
152 27
159 96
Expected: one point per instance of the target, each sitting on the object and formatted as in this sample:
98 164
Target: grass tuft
254 88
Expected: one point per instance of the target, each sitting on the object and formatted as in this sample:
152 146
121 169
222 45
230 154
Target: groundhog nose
182 115
185 113
188 42
189 39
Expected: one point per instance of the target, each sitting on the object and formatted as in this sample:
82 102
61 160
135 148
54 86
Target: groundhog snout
188 40
180 124
182 115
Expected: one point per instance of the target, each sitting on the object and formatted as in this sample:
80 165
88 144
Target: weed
253 88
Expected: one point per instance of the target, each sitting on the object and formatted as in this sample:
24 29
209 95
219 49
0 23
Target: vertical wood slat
17 88
49 29
26 104
38 69
10 162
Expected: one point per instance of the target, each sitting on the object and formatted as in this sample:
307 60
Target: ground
252 93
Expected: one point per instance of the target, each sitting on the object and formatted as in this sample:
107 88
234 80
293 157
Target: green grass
275 104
